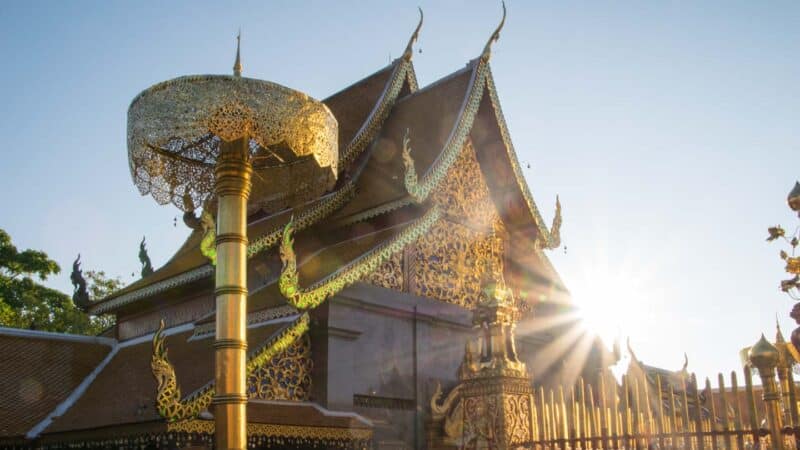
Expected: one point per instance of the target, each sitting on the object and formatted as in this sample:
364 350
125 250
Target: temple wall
375 340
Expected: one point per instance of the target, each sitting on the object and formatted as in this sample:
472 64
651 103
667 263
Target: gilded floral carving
449 261
389 274
464 194
517 411
286 377
481 422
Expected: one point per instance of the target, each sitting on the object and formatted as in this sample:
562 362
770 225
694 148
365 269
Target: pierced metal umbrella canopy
175 130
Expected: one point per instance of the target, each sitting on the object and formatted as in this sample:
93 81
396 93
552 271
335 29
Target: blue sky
670 131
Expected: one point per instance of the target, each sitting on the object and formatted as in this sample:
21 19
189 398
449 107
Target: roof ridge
66 337
351 85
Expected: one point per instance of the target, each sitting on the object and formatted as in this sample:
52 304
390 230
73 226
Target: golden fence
687 416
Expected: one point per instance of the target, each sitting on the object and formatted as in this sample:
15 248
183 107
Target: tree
26 303
101 286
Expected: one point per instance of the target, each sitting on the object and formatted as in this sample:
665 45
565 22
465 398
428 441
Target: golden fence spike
626 411
573 425
751 403
615 423
698 415
709 423
687 425
541 434
723 405
659 421
556 429
534 417
676 427
562 407
599 428
548 436
604 419
592 431
648 409
548 420
793 413
671 426
637 413
580 412
737 411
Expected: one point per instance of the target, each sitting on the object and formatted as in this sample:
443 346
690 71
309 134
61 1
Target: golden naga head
409 51
487 49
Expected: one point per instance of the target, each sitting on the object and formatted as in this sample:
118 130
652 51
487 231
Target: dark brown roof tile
39 371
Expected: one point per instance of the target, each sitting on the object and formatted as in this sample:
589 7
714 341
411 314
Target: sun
614 302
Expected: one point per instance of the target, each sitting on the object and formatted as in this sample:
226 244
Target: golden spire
409 48
779 339
237 66
487 49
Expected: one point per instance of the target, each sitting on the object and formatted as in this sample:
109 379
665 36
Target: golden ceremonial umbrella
197 141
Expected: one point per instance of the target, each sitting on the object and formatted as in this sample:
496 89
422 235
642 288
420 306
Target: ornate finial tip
779 339
763 354
487 49
409 51
237 65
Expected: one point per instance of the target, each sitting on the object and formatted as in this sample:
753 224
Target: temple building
430 202
665 391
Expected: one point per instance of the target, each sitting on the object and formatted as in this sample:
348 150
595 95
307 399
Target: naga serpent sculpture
169 403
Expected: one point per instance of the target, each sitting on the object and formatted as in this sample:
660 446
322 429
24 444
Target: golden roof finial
237 66
487 50
409 48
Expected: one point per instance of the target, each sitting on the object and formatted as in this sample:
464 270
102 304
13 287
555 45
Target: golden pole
233 172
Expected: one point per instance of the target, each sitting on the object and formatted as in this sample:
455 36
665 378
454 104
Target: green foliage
25 303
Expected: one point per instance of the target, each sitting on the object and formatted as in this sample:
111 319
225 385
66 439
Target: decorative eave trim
310 297
370 128
187 277
374 212
546 238
325 435
310 216
411 78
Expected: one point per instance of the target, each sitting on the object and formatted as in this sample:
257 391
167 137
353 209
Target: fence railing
674 413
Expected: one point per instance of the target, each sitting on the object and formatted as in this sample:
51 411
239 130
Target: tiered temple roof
419 218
